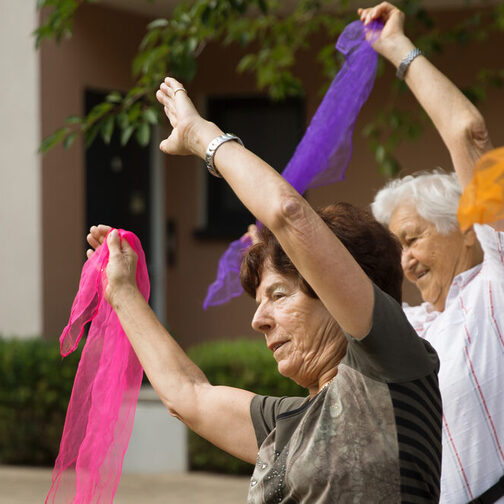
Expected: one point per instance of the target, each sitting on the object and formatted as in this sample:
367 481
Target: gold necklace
327 384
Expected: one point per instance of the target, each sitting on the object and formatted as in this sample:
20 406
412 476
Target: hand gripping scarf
483 198
100 414
325 150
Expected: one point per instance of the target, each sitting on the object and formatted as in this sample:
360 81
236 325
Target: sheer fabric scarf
102 406
325 150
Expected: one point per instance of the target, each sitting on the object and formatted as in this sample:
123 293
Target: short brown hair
372 245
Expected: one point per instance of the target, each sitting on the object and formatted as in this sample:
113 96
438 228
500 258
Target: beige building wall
99 55
20 177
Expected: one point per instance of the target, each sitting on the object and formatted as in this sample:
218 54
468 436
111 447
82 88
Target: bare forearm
168 368
457 120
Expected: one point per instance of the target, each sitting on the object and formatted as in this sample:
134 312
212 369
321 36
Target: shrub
246 364
35 387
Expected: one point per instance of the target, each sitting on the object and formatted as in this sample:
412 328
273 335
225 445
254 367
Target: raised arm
316 252
457 120
219 414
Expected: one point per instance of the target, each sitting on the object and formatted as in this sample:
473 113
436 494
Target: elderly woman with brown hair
460 276
327 287
370 428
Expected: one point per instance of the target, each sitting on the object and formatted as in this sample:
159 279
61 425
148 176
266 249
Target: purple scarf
325 150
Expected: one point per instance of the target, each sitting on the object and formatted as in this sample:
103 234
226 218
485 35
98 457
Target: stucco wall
20 222
98 57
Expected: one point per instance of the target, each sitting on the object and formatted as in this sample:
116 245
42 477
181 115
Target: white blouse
469 338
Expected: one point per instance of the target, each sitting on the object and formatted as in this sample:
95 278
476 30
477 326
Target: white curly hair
435 194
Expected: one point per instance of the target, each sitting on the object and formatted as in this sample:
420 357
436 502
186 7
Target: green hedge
35 387
36 383
244 364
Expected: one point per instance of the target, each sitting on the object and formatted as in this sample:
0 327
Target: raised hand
186 122
392 34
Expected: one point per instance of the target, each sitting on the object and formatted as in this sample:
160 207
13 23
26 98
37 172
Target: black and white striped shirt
372 436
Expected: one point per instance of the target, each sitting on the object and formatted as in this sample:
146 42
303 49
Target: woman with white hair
460 275
422 212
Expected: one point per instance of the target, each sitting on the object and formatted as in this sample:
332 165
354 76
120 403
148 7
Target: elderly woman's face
303 336
429 259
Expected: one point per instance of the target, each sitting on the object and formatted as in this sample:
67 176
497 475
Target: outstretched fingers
171 93
174 86
182 115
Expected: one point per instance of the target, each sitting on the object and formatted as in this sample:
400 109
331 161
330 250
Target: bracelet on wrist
406 62
212 148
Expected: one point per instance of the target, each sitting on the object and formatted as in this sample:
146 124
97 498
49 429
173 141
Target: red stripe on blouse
493 313
489 416
471 278
458 457
499 247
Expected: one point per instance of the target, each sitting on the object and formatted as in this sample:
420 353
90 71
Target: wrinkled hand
121 267
183 116
393 29
96 237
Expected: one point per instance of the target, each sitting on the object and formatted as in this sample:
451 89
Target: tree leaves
151 115
59 20
114 97
107 128
126 134
143 134
52 140
157 23
276 37
69 139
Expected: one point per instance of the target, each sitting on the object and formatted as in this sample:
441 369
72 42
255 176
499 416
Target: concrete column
20 182
158 442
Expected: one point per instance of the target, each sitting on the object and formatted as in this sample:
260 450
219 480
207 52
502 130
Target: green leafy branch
169 46
58 23
273 40
131 114
173 46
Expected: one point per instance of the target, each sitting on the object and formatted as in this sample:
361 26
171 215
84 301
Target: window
271 130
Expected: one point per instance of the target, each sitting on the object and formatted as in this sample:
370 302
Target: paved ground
21 485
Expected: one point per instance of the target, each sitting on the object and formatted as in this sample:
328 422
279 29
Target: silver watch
212 148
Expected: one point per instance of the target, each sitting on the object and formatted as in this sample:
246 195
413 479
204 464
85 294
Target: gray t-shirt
372 436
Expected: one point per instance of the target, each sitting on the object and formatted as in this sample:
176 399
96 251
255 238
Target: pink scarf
101 411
